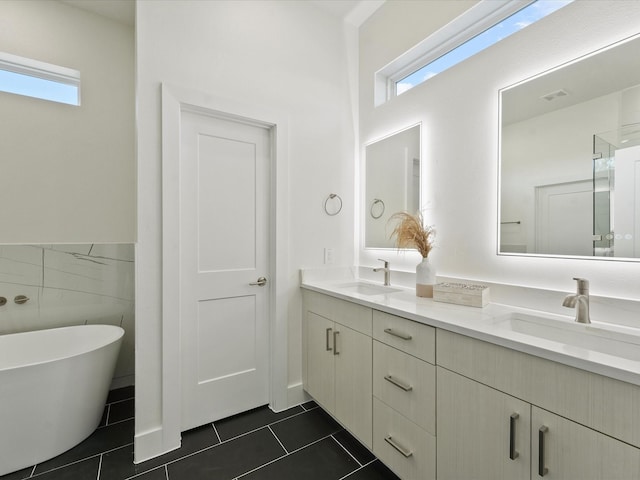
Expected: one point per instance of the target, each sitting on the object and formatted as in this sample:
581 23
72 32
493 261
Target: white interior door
564 218
626 209
224 235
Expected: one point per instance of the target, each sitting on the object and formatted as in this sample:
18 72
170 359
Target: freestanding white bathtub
53 389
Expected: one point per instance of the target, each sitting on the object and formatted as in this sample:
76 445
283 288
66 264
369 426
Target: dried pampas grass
410 232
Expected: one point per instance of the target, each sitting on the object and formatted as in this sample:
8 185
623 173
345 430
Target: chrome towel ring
379 210
335 207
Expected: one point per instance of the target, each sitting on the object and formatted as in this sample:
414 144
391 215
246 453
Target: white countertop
483 324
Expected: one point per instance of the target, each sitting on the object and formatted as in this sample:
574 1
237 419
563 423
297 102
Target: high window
32 78
477 29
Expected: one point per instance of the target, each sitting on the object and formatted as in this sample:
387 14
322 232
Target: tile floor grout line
289 417
121 400
36 475
99 467
213 446
283 456
106 420
166 471
115 423
265 425
345 449
136 475
215 430
276 437
358 469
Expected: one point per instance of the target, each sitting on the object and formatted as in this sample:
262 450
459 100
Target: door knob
260 283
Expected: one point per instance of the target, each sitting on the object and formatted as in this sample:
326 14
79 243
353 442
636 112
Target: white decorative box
461 294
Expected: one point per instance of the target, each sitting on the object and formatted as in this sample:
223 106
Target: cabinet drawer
405 383
346 313
406 335
401 445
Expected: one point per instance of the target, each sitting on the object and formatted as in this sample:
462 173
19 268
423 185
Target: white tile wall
71 285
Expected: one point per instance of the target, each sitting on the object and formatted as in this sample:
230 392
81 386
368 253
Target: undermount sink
623 342
364 288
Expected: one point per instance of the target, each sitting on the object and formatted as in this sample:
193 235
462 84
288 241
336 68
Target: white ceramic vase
425 278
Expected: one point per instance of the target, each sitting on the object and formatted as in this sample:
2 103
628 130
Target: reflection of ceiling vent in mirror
554 95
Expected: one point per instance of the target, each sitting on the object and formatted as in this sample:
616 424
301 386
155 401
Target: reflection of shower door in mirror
627 202
564 214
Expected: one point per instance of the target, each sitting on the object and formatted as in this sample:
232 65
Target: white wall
459 111
68 173
278 55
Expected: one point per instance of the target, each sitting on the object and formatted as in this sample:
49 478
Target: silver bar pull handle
403 336
394 443
398 383
542 470
513 454
327 338
335 343
260 283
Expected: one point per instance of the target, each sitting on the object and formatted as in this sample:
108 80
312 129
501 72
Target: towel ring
377 201
331 197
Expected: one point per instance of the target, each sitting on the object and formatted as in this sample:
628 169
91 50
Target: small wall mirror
570 159
392 183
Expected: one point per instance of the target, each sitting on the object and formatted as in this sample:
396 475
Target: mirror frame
499 173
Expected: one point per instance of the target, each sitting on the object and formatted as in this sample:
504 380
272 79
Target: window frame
463 28
41 70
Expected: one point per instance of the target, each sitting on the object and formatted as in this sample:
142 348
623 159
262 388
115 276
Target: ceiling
610 70
122 11
351 11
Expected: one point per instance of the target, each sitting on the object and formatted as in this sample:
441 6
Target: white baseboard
296 395
150 444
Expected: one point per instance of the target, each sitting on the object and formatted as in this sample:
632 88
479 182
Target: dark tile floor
302 443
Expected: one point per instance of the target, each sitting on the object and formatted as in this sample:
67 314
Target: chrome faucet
386 270
579 301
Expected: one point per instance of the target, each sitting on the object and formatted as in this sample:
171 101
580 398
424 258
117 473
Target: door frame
174 100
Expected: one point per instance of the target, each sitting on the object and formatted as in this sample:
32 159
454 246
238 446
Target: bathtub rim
117 335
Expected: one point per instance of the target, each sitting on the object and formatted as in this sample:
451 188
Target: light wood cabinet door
482 433
320 377
353 382
567 450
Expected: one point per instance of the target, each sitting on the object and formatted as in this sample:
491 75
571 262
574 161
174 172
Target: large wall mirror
392 183
570 159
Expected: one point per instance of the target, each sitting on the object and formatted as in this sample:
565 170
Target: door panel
320 362
353 371
224 244
226 203
572 451
236 318
474 431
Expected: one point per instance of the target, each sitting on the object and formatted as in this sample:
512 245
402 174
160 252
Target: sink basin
363 288
623 342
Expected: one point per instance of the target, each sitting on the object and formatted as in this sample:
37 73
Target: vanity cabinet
486 433
404 390
499 413
338 369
